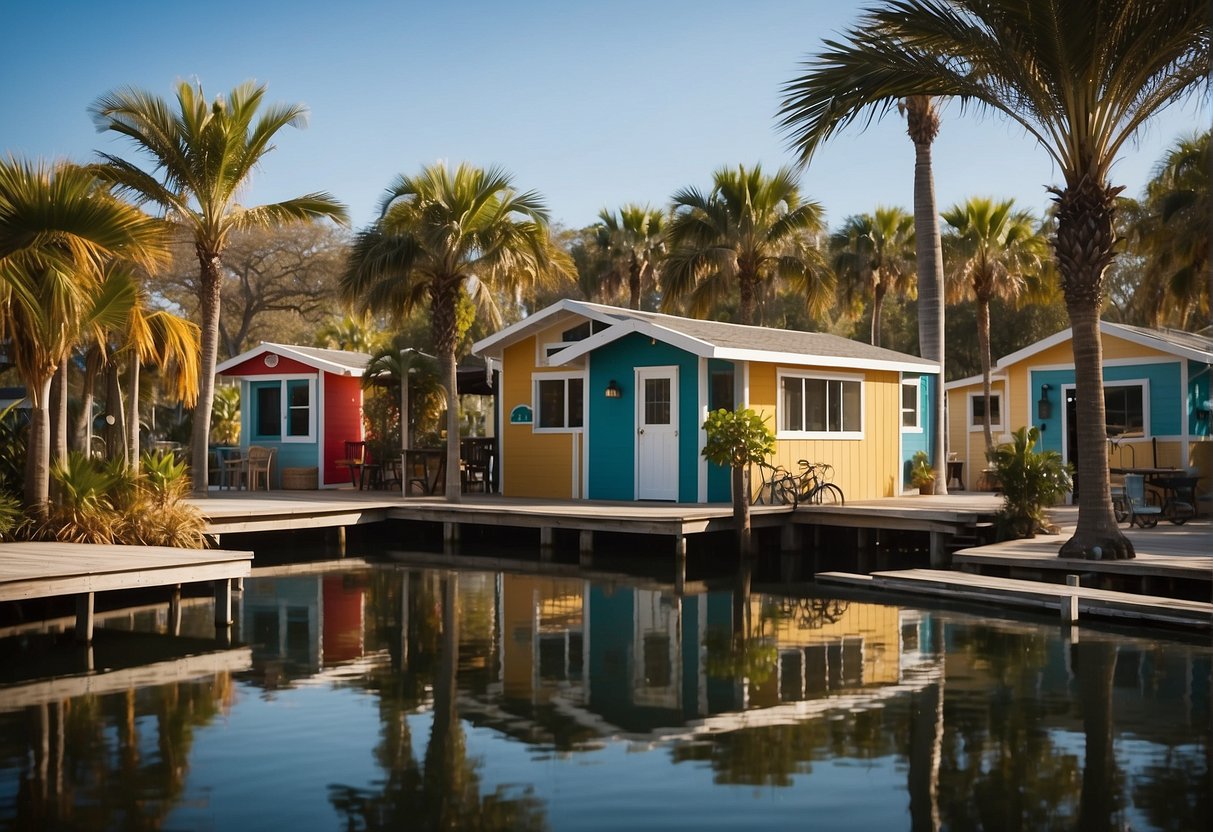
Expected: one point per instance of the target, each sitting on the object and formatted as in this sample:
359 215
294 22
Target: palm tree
203 155
995 251
58 228
750 229
441 234
1079 78
1173 233
847 94
873 255
634 241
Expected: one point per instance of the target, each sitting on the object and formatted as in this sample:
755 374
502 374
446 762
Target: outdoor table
231 467
426 467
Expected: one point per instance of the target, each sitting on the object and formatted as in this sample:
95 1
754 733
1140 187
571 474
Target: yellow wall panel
532 464
864 468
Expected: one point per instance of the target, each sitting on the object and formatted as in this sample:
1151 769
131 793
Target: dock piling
1069 603
84 618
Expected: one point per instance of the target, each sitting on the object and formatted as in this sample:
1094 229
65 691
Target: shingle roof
1173 338
766 339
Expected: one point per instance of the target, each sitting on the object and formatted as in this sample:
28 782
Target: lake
393 696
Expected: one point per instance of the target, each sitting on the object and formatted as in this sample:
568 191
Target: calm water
394 698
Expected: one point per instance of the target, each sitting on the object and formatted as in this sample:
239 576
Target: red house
304 402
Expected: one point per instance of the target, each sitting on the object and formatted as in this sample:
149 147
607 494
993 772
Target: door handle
640 430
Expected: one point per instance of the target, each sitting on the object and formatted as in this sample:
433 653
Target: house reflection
621 660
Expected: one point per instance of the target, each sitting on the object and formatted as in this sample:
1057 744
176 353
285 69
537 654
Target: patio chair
259 461
1139 511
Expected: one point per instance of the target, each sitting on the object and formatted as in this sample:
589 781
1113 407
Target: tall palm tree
634 240
1173 233
1081 79
995 251
58 228
849 95
873 255
203 155
442 233
750 229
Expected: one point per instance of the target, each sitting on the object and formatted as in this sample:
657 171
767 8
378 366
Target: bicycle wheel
828 494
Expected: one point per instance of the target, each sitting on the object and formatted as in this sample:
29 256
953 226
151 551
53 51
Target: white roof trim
971 380
548 315
287 351
617 330
1105 328
804 359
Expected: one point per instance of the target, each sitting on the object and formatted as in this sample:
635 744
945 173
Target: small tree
1031 481
735 440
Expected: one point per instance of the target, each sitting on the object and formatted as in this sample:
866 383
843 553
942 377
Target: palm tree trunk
209 296
1083 245
442 310
59 413
38 452
132 423
746 301
634 284
83 429
983 346
922 124
877 302
115 415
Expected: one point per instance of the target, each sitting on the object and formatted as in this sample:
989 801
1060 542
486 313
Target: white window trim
585 400
916 383
1144 384
976 426
284 409
780 433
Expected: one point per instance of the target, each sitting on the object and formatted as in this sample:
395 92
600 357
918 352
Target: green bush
921 472
1031 481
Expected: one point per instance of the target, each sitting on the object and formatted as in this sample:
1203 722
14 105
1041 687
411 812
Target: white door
657 433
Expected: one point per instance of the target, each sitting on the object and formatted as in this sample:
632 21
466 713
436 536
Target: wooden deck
42 570
1011 592
943 514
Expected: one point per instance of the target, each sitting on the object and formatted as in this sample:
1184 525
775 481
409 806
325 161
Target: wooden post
450 534
238 584
174 610
341 541
547 541
680 564
223 604
789 537
1069 603
84 617
939 554
585 542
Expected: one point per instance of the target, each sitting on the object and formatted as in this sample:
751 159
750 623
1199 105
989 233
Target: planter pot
927 489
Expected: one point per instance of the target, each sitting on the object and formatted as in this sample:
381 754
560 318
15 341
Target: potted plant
1031 481
922 475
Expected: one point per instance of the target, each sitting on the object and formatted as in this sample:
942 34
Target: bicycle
813 486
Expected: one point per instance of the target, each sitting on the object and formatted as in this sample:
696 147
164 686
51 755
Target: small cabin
606 403
1156 401
303 402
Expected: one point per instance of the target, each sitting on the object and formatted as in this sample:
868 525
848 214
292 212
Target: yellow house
1156 397
606 403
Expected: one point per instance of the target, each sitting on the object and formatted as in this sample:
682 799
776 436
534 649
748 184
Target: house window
720 392
910 404
820 407
559 403
977 411
269 411
284 410
1124 409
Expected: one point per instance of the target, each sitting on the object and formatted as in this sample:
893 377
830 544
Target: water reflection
494 692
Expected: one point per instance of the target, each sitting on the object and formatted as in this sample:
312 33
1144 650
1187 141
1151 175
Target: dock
49 569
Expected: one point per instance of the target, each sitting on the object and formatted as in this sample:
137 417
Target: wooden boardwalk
42 570
943 514
1011 592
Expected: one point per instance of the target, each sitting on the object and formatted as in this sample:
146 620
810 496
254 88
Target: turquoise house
599 402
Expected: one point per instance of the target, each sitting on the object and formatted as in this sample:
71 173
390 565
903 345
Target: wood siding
532 464
864 468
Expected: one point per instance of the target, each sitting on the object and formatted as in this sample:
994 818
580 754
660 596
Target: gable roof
339 362
708 339
1183 344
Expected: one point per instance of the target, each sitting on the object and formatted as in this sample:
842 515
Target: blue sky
591 104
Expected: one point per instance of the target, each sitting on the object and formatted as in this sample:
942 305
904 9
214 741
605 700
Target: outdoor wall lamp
1044 407
612 390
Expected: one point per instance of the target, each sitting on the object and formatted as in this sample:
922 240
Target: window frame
284 408
1144 386
977 426
916 383
807 375
537 410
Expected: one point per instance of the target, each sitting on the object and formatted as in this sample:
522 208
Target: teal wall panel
913 441
612 429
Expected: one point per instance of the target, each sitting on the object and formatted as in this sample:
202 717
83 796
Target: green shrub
84 509
159 514
14 435
921 472
1031 481
10 516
